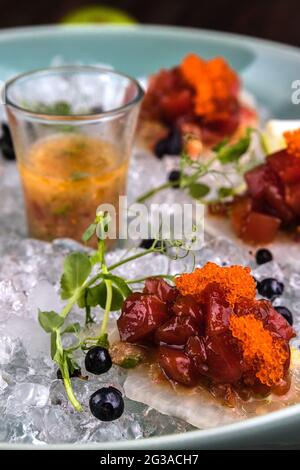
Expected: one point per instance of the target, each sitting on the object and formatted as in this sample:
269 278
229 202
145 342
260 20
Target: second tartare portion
198 97
272 199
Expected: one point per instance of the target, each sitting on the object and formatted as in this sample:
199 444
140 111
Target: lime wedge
98 14
295 357
273 133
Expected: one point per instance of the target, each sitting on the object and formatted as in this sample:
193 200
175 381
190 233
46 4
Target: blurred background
272 19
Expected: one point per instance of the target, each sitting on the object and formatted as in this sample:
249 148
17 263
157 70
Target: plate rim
199 437
195 437
51 29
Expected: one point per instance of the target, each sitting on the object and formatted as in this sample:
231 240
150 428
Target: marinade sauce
65 178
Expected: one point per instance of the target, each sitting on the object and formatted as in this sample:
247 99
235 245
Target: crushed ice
33 405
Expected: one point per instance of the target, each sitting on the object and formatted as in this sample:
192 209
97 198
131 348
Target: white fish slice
198 409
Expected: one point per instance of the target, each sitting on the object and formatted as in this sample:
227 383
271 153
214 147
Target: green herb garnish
130 362
191 171
102 289
60 108
78 175
62 210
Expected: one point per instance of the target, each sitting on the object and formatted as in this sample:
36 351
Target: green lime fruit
98 14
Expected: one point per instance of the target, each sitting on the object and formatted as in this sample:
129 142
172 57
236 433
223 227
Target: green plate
268 71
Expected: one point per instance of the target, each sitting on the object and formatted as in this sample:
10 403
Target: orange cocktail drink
65 179
73 130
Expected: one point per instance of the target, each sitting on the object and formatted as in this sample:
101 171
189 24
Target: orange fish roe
292 139
214 83
236 282
261 351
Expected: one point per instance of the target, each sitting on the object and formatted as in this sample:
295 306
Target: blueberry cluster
107 403
170 145
270 287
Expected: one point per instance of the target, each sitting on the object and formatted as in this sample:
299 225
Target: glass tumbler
73 129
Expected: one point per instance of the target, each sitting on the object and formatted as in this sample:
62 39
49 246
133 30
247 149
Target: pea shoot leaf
77 268
71 363
119 283
225 192
96 258
81 302
220 145
90 297
73 328
60 107
103 220
54 353
117 297
103 341
97 295
93 296
198 190
50 321
130 362
232 153
90 231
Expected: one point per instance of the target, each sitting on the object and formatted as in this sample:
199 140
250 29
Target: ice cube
155 425
3 383
59 426
11 301
25 395
123 429
146 266
221 251
144 163
43 297
295 282
34 338
271 269
7 349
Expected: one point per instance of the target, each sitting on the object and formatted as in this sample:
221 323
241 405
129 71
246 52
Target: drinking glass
73 130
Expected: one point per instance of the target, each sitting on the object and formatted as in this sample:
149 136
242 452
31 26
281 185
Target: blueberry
170 145
107 404
263 256
98 360
160 148
7 152
75 373
174 177
174 142
6 144
270 288
6 132
286 313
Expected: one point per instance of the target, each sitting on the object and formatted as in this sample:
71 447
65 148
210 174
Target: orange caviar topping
292 139
260 350
236 282
214 83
